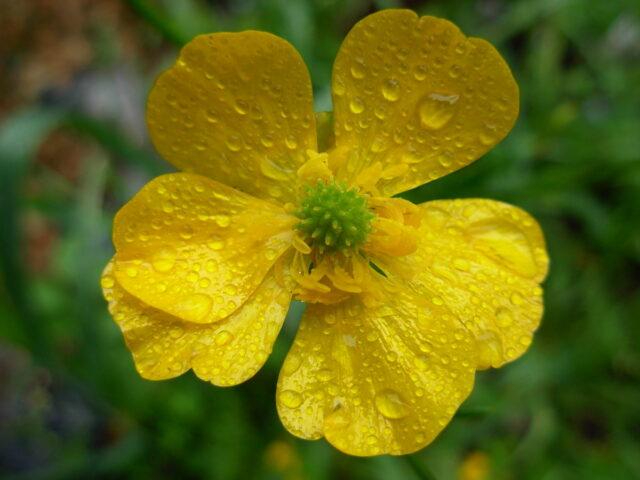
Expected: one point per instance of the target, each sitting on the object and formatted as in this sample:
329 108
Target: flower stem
420 470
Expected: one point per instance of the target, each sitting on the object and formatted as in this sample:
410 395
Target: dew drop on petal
271 170
391 404
234 143
163 260
196 306
356 105
291 142
290 398
504 317
223 337
391 90
357 69
436 110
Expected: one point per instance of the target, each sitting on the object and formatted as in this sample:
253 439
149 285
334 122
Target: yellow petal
485 261
377 380
417 91
195 248
238 108
224 353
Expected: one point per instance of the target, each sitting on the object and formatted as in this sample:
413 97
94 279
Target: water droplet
487 139
131 272
357 69
107 281
291 142
195 307
176 333
212 116
164 259
256 113
391 404
391 90
489 349
436 110
324 375
516 298
445 158
222 220
290 398
356 105
271 170
420 72
461 264
270 254
267 140
234 143
223 337
421 362
504 317
338 87
241 106
292 364
216 245
378 145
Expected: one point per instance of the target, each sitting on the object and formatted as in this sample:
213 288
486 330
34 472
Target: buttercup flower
404 302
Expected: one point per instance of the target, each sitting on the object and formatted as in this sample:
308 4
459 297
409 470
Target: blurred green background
74 75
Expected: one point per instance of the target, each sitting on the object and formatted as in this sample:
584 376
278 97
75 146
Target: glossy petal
224 353
195 248
385 379
485 259
238 108
417 95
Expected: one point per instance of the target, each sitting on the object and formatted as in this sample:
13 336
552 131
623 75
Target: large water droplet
222 220
489 349
223 337
436 110
461 264
292 364
290 398
357 69
271 170
391 90
241 106
516 298
195 307
291 142
164 260
391 404
356 105
504 317
234 143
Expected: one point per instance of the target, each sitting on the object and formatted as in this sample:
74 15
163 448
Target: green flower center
333 217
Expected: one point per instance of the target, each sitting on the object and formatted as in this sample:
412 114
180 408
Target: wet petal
385 379
238 108
195 248
416 93
224 353
485 259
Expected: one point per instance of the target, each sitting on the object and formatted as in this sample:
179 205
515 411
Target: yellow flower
404 302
